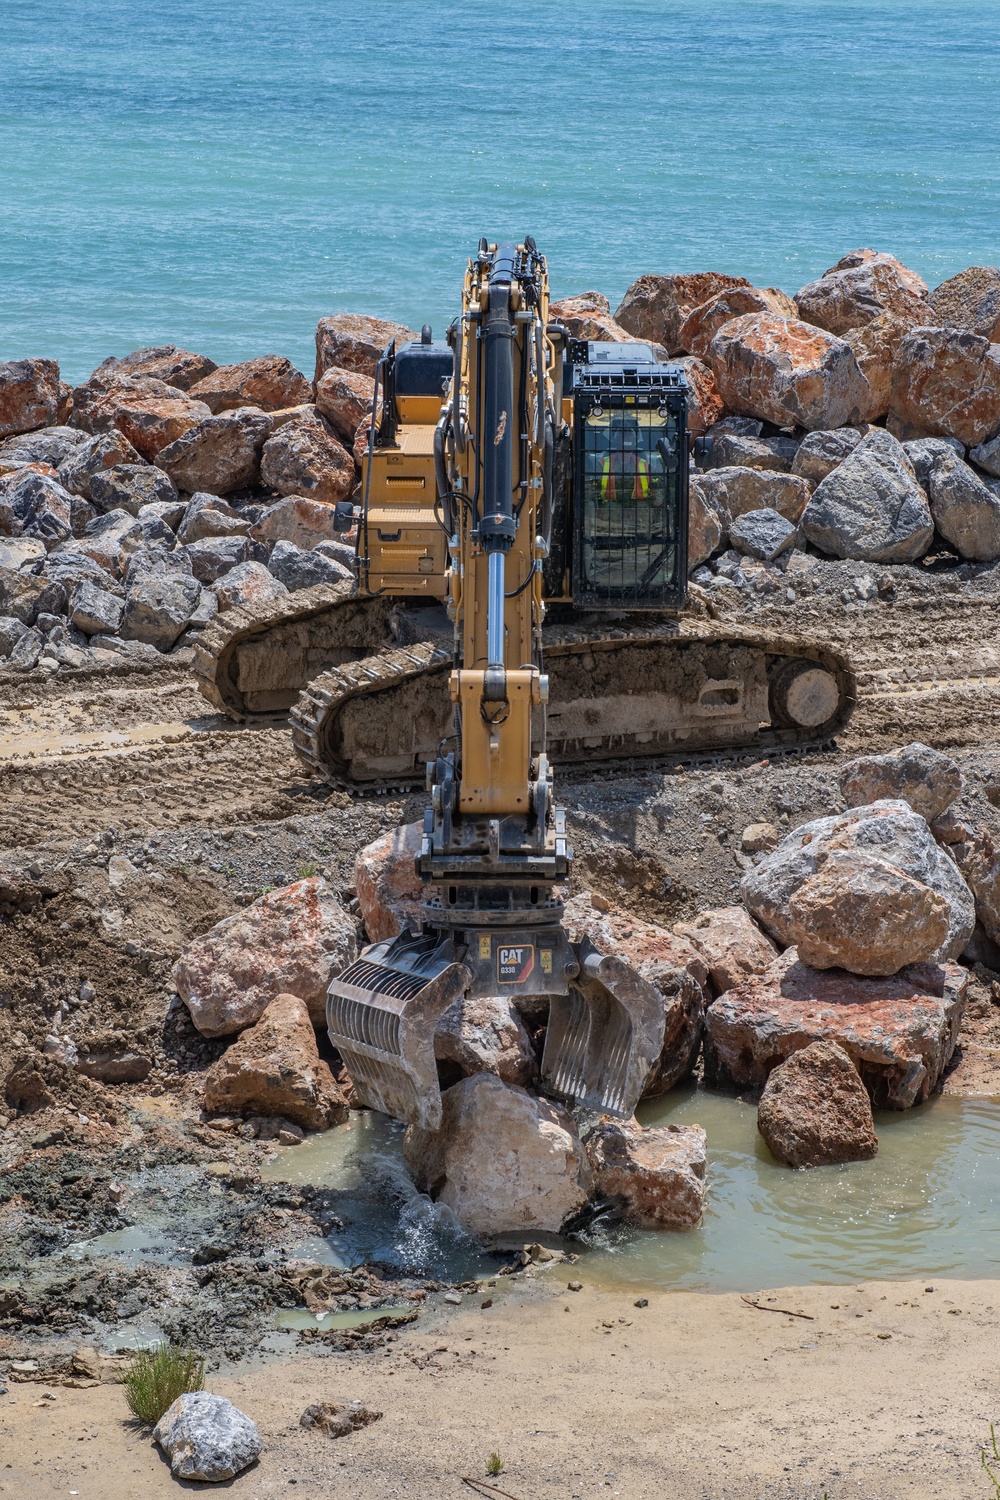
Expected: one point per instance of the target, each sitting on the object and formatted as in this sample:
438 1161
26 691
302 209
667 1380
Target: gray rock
17 552
49 445
924 453
205 610
871 507
11 631
157 610
68 568
738 450
91 456
745 426
23 595
206 1437
27 650
170 512
209 516
41 505
220 454
149 561
338 552
300 570
763 534
926 779
136 650
819 453
732 492
130 487
94 611
249 583
987 456
213 556
887 834
965 509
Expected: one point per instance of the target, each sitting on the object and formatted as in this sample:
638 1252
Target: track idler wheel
803 694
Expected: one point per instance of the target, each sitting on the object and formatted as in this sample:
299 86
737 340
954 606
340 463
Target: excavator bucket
604 1037
382 1013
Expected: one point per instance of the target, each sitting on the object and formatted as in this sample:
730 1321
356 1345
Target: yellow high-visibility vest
636 476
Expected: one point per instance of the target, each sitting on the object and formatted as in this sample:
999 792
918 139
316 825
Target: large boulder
130 487
788 372
861 287
177 367
503 1160
986 456
965 510
900 1031
926 779
207 1438
704 321
875 346
704 404
46 445
740 450
93 610
40 505
946 383
158 610
111 540
706 523
970 300
106 450
345 398
304 458
667 962
735 491
355 342
819 453
870 507
212 557
655 1176
486 1035
295 519
390 892
655 307
247 585
731 945
815 1111
220 454
209 515
148 412
299 569
867 890
274 1068
269 383
29 395
979 858
588 316
763 534
291 940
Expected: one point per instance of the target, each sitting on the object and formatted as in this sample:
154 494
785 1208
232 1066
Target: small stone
453 1297
574 1286
641 1302
338 1419
759 838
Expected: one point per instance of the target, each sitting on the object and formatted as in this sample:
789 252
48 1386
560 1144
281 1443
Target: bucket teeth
604 1037
382 1013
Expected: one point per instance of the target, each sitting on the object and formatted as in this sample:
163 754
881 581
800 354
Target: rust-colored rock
390 892
734 492
152 422
29 395
588 316
656 1175
704 404
668 962
946 383
862 286
927 779
292 940
979 861
704 321
274 1068
220 454
270 383
345 398
731 944
178 367
875 346
970 300
900 1031
815 1111
304 458
785 371
356 342
654 307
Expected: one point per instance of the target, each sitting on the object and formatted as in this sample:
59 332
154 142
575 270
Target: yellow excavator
521 602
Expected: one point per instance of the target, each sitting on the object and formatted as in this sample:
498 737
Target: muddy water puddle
928 1205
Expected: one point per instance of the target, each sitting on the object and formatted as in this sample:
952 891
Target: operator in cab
625 470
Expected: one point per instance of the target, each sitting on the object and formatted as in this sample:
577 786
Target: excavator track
679 687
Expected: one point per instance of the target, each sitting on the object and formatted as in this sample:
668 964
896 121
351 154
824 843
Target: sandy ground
585 1395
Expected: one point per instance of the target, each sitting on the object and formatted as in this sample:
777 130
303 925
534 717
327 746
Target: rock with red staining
899 1030
861 287
704 404
657 1176
269 383
875 346
274 1068
178 367
220 454
815 1111
303 457
390 892
356 342
731 945
970 300
788 372
249 584
292 940
655 307
588 316
345 398
946 383
29 395
927 779
704 321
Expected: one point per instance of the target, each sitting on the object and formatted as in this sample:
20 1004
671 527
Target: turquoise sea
221 174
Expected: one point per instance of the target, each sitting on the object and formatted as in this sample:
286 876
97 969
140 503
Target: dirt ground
886 1392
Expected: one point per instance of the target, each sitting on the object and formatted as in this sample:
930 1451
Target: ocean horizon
221 177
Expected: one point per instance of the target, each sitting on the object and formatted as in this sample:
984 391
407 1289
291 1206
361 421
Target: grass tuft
494 1465
155 1378
307 869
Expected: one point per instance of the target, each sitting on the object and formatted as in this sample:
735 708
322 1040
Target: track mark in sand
45 748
